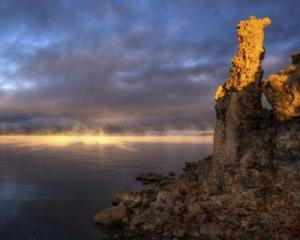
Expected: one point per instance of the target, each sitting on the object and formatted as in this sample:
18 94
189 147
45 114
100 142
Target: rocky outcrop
283 90
238 102
250 187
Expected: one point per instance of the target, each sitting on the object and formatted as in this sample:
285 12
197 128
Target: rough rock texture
249 188
238 101
112 216
155 178
283 90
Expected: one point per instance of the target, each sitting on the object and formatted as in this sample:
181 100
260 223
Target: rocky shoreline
250 187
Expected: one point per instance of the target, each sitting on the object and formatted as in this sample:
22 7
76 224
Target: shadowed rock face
296 58
250 187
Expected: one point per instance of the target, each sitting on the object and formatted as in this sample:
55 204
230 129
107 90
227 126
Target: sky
117 65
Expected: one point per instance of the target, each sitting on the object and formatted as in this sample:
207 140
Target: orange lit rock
283 90
246 64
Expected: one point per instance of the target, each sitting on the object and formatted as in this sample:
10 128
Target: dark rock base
185 209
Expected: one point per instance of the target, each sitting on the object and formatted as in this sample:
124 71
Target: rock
211 206
283 90
238 101
246 64
250 187
194 209
111 216
287 143
128 198
163 201
248 160
204 169
148 227
211 230
296 58
190 166
151 178
179 233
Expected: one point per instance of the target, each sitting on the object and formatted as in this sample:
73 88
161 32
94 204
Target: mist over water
51 186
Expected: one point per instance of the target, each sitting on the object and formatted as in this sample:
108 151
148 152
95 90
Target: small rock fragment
111 216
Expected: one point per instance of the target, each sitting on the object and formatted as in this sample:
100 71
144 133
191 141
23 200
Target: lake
51 186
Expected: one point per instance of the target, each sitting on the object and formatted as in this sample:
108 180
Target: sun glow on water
65 140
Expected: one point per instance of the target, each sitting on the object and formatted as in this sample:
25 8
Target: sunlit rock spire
238 101
246 64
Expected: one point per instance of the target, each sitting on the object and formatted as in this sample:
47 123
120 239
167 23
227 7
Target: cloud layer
115 65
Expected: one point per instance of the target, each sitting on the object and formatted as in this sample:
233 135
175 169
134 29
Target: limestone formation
238 101
246 69
283 90
250 187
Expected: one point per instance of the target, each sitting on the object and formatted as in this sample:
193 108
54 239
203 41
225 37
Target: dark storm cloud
132 64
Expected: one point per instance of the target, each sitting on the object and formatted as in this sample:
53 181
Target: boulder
111 216
128 198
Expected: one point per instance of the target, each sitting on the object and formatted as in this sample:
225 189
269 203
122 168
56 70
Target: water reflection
50 186
117 141
10 191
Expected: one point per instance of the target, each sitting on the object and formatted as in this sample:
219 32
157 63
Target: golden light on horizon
120 141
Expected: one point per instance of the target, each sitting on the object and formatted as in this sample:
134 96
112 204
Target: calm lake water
50 187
